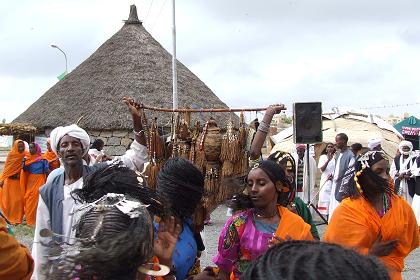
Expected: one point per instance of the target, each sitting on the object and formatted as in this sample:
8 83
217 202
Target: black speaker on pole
307 122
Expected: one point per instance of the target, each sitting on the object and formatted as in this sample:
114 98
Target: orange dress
52 159
33 177
292 226
356 225
15 259
12 195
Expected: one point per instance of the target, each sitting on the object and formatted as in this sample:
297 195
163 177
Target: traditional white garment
134 158
333 202
415 170
405 166
70 130
325 184
312 175
373 143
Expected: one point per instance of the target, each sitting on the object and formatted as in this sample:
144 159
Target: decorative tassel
228 168
200 155
242 131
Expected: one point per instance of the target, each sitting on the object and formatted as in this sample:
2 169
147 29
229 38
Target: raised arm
263 129
137 125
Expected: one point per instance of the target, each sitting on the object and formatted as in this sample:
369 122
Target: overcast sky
353 53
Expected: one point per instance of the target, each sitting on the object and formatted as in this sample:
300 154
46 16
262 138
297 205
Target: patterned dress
240 242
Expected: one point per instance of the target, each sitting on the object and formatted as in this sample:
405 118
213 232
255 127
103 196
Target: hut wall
116 141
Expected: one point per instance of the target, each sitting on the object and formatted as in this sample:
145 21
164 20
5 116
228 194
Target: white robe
134 158
312 175
404 167
415 170
325 184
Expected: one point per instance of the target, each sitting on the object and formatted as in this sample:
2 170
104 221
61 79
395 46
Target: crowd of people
96 218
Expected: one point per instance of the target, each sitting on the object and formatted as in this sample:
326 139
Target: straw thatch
17 129
130 63
358 128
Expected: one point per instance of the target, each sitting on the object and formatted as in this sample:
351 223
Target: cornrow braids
181 185
117 178
298 259
110 243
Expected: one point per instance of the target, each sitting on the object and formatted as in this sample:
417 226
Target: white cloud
349 53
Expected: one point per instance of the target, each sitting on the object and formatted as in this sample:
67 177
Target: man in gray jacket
343 161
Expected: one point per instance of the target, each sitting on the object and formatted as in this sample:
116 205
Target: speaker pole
308 175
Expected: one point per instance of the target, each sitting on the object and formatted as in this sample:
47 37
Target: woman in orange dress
51 157
374 220
12 195
34 175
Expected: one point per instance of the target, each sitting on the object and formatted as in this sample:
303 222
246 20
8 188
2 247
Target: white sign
6 141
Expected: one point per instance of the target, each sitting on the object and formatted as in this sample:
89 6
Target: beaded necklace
386 198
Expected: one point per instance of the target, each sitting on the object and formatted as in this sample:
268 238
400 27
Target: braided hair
366 181
181 185
110 244
314 260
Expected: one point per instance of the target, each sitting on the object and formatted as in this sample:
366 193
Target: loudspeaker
307 122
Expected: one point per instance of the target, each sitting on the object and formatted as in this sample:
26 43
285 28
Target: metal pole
308 175
174 75
65 56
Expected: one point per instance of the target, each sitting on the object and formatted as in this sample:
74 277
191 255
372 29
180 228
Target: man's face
32 149
70 150
21 147
339 142
301 152
405 148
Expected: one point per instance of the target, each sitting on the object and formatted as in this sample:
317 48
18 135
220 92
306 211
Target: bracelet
138 133
263 127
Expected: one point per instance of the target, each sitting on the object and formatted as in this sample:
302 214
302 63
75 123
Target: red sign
411 130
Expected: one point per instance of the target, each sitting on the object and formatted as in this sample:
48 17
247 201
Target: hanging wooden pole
213 110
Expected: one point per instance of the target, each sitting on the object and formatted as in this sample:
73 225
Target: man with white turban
401 173
374 144
56 207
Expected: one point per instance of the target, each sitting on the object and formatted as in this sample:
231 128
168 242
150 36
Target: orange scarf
34 158
13 163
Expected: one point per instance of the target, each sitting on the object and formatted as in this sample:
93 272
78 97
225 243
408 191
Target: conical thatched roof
130 63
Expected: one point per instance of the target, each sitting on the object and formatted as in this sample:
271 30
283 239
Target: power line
148 11
160 11
391 106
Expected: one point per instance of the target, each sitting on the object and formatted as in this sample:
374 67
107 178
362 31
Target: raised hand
275 109
132 106
165 242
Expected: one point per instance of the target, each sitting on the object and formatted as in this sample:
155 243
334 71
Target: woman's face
381 169
261 189
21 147
32 149
330 148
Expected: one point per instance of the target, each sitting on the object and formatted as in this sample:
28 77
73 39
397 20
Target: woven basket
212 144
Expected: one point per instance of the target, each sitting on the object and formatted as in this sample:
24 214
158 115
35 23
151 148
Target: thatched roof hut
17 129
130 63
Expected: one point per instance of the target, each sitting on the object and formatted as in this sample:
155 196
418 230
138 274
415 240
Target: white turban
373 143
73 131
404 144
